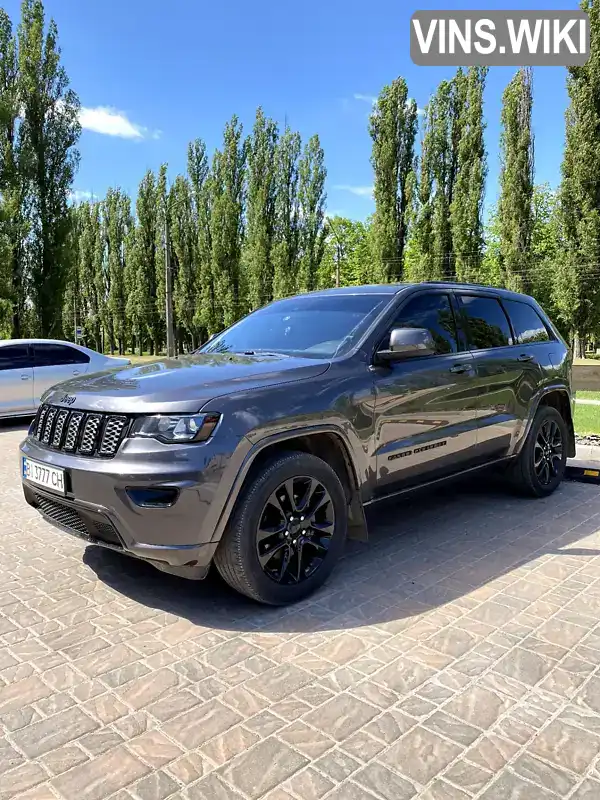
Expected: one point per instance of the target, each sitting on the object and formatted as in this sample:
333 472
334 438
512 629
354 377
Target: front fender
247 452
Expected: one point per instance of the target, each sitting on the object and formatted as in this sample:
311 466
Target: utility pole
169 294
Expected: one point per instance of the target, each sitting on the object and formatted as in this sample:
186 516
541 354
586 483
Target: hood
183 384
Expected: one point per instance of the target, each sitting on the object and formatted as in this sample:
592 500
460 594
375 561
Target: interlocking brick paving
455 656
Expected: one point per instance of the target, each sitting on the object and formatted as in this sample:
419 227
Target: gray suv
261 451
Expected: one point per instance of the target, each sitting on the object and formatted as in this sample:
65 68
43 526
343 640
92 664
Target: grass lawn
585 395
587 418
135 359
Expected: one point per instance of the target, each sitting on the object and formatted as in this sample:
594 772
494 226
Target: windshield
311 326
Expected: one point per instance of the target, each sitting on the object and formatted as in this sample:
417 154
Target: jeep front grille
78 432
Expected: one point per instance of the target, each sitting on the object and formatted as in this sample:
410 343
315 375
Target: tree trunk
578 346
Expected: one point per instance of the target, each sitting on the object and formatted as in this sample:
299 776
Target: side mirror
408 343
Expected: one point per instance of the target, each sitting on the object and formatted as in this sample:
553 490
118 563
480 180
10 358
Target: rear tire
541 465
278 549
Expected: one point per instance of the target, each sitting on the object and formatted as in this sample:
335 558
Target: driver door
425 406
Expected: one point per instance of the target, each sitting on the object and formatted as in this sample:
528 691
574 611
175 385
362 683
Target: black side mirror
408 343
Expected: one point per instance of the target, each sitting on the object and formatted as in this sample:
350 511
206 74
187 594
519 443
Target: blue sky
153 75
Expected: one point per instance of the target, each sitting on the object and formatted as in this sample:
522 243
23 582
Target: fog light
153 498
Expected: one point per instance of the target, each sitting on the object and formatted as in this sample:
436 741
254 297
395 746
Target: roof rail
460 283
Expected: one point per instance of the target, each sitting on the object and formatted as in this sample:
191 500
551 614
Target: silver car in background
30 366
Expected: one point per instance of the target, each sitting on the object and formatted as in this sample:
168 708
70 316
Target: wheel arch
325 442
558 397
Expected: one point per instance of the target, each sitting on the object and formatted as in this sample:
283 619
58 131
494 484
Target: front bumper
98 509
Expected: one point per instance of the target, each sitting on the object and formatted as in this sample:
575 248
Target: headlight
176 427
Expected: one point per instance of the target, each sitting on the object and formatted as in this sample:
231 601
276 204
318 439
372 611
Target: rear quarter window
527 324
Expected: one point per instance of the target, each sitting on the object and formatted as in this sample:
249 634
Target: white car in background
30 366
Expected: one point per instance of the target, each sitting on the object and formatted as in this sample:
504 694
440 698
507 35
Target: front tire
287 532
541 465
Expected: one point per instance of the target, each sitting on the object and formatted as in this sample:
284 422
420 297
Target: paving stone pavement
456 656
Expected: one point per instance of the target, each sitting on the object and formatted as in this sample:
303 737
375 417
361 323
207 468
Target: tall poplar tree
201 197
183 244
468 192
577 286
515 207
287 215
49 131
88 305
162 223
393 129
141 300
226 223
431 248
260 212
311 198
117 225
12 222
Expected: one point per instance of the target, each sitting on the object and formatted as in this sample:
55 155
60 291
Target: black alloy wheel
548 452
288 530
295 530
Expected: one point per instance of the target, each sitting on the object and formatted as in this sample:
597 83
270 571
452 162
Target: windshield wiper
261 353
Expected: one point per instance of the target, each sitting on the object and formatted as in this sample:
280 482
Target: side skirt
440 481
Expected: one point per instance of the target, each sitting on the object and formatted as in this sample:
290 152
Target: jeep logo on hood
67 399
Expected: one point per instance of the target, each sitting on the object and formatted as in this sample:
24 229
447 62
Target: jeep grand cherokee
260 451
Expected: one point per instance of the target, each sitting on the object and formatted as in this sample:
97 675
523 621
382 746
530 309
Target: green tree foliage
117 227
452 160
257 261
141 301
311 200
471 170
162 222
347 255
577 286
546 247
88 262
205 317
49 131
12 224
517 181
287 214
393 129
183 245
226 224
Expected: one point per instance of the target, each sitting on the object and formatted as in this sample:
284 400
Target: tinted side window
526 322
14 356
54 355
433 312
486 322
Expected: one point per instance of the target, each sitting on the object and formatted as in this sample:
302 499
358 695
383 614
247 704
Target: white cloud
110 122
360 191
79 196
366 98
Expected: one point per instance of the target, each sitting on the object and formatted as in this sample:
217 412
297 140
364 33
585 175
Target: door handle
525 357
24 377
459 369
75 372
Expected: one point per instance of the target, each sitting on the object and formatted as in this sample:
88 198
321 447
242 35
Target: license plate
50 477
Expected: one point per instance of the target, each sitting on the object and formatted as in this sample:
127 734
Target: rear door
16 380
507 374
425 408
54 363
